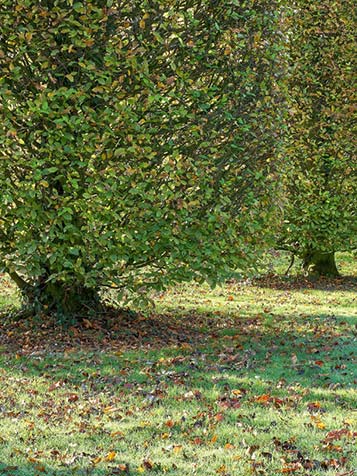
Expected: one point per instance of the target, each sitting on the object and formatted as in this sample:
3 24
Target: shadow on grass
48 470
37 469
310 353
278 282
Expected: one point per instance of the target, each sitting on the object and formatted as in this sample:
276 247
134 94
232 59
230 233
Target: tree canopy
321 168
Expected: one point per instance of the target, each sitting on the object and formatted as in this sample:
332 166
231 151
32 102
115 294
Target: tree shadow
48 470
265 345
291 283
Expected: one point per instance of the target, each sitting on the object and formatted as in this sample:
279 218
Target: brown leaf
147 464
73 397
219 416
291 468
197 441
338 434
121 468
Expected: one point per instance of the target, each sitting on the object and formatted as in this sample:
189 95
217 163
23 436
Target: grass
252 378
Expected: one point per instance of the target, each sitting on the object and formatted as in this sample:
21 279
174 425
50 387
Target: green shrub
136 143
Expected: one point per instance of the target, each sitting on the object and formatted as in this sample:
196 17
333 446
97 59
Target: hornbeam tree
137 143
321 162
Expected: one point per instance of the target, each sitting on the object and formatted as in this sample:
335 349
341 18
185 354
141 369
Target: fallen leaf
40 468
147 464
197 441
116 433
110 456
73 397
219 416
177 449
222 469
291 468
229 446
262 398
123 467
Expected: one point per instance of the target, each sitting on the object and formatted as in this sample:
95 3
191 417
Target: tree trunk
317 263
70 302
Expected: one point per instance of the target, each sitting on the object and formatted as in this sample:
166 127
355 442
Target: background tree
136 143
321 161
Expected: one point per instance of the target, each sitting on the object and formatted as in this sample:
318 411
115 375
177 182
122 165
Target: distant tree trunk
317 263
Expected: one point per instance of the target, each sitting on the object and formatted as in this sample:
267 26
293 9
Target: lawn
253 378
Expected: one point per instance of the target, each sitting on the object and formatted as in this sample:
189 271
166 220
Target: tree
320 214
136 143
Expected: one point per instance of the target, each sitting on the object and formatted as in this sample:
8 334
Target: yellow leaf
110 409
236 392
222 469
144 424
141 469
70 77
177 449
110 456
142 23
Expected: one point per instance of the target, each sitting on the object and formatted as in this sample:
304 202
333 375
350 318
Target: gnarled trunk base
70 302
317 263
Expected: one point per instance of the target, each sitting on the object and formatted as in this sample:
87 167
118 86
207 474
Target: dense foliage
136 142
321 161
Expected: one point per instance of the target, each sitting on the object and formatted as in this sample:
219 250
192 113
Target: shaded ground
343 283
117 330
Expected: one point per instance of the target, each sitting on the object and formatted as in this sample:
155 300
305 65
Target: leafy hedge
137 142
321 160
